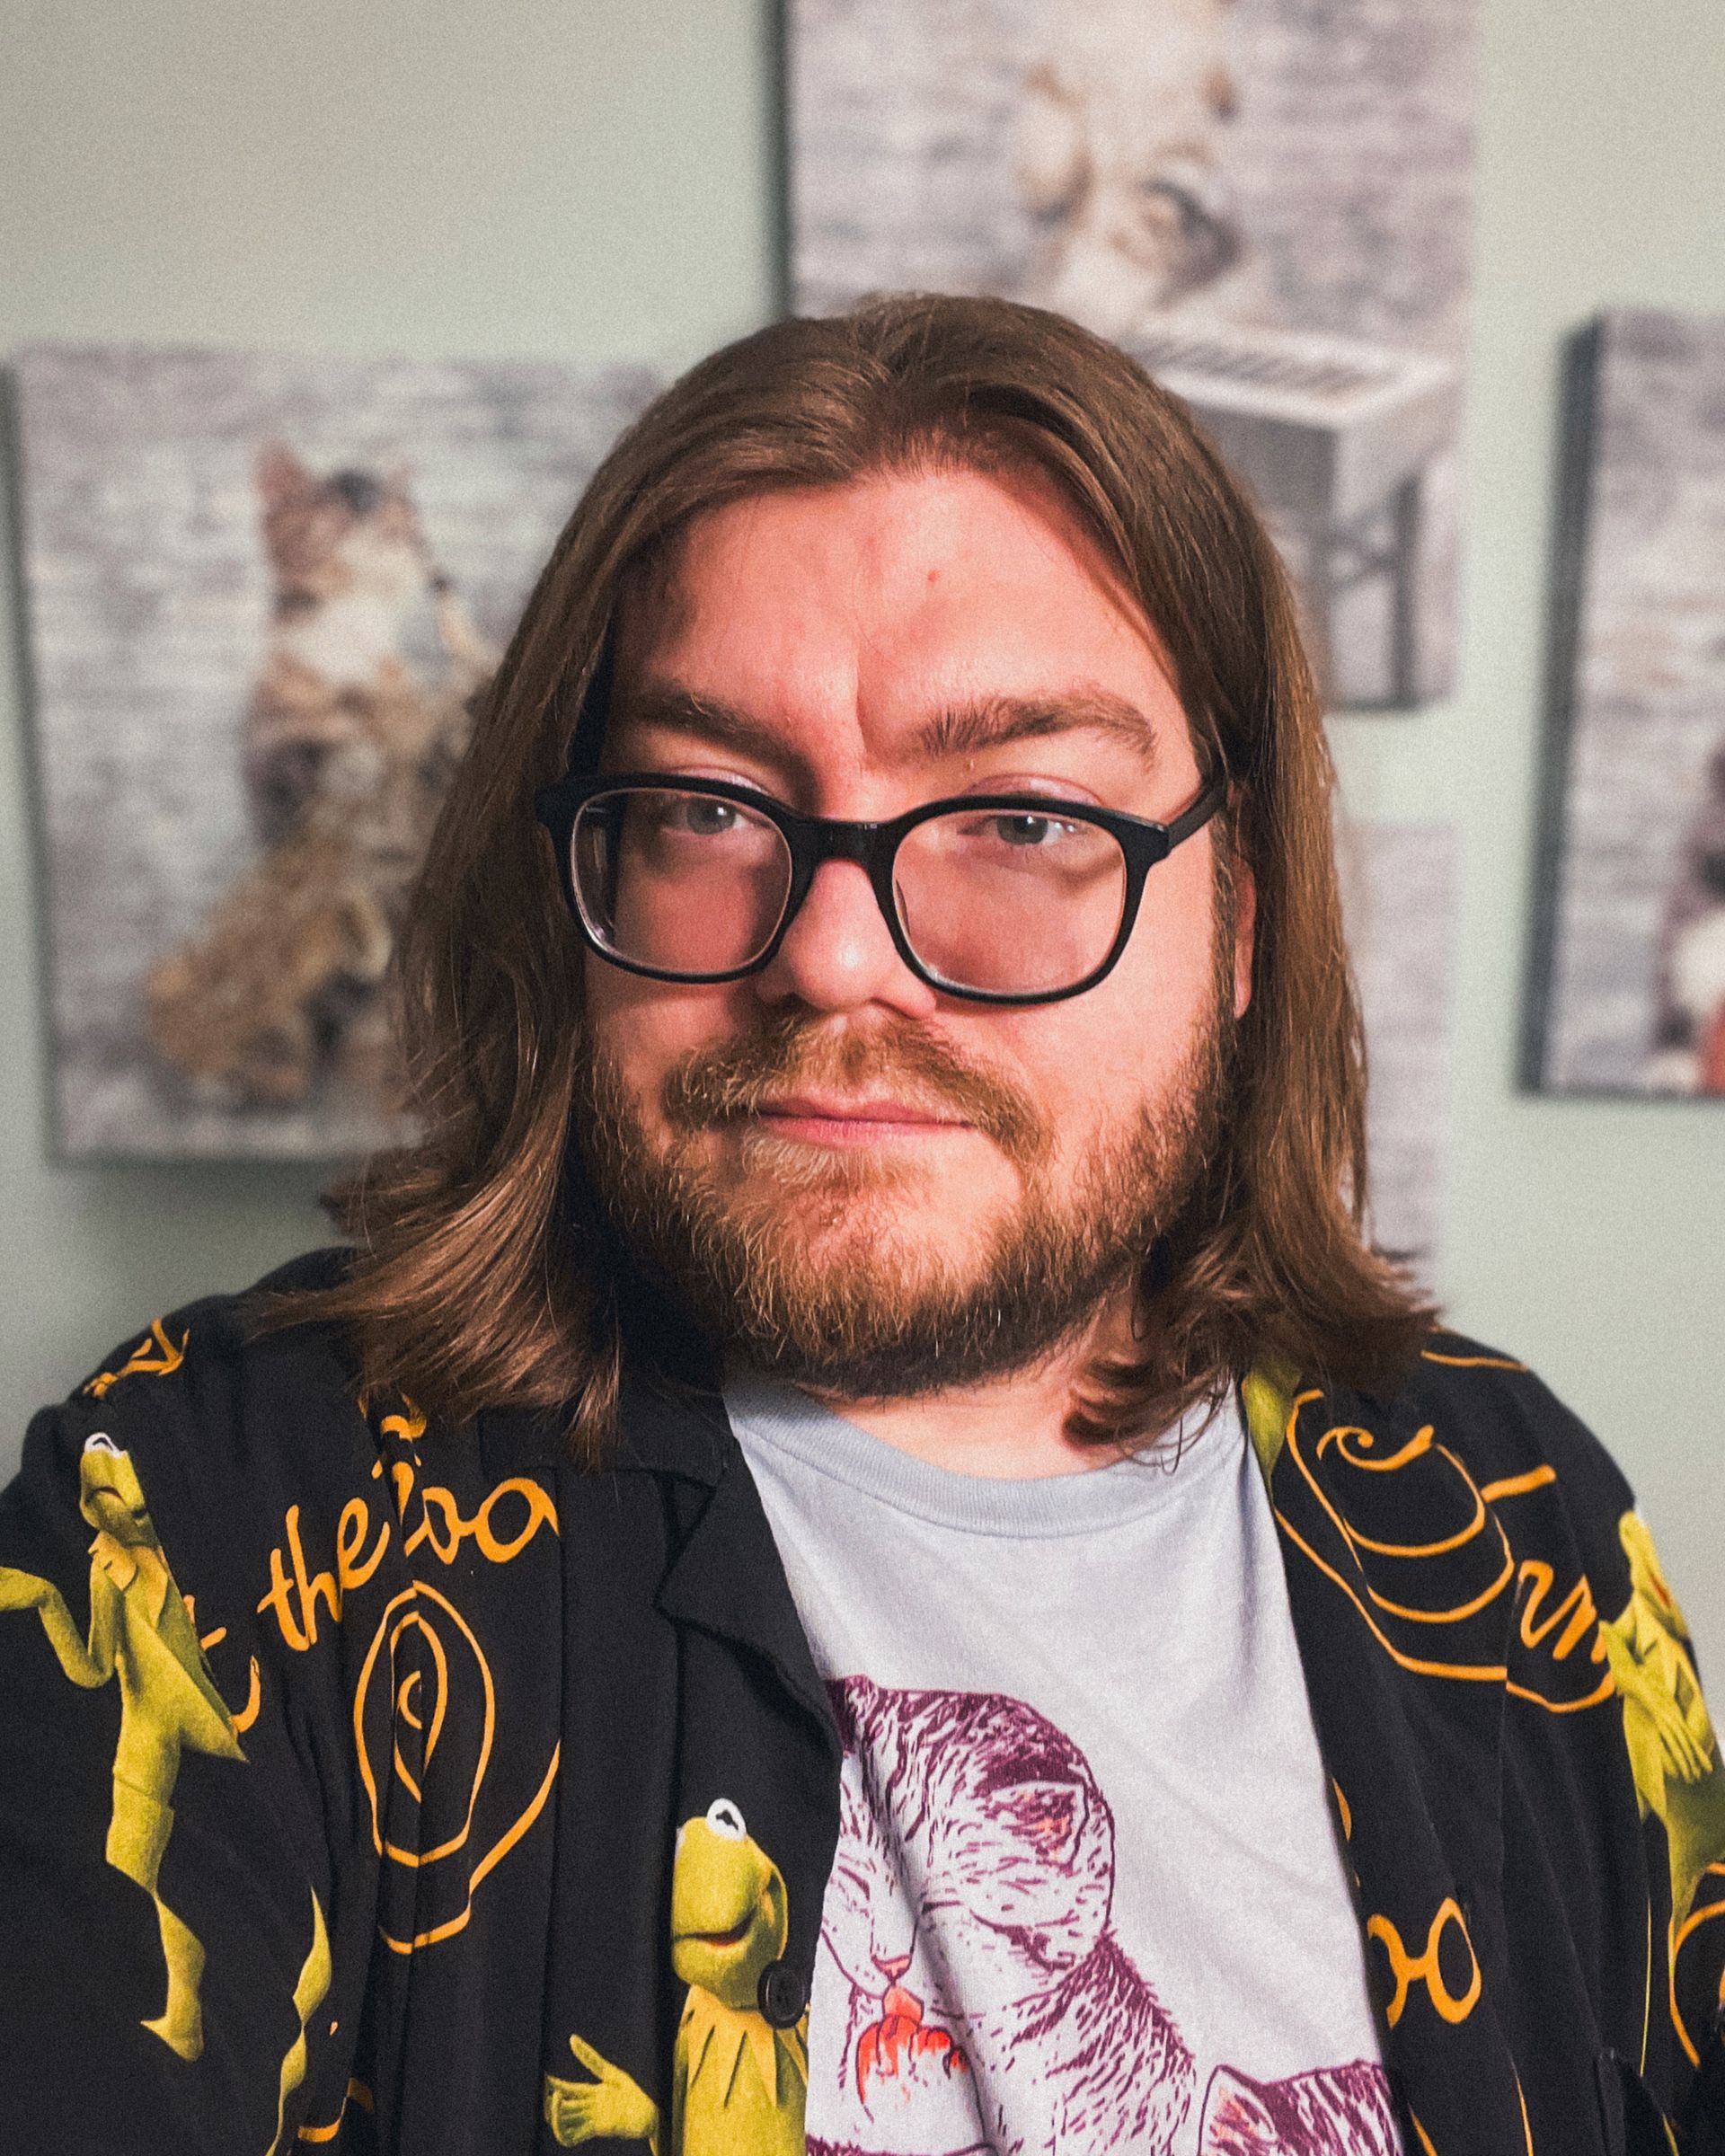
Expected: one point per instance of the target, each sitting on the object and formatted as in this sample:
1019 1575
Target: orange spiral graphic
425 1727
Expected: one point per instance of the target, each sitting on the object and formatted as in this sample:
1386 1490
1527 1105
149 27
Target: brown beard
878 1321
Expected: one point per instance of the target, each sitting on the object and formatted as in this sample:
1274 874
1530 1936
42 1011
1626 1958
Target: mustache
733 1080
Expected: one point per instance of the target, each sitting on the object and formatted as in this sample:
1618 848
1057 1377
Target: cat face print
1004 1843
972 1995
870 1918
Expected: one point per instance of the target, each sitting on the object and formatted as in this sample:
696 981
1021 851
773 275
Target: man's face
875 1188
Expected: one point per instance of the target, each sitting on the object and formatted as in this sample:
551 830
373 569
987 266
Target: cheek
646 1027
1163 989
1088 1061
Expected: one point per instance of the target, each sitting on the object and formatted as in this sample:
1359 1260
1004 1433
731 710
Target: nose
838 953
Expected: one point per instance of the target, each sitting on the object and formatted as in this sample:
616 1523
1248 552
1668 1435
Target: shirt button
780 1995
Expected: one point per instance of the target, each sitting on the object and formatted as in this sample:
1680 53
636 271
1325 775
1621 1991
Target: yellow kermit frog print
139 1627
1679 1775
738 2086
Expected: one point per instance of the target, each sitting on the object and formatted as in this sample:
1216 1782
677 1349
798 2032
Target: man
860 1554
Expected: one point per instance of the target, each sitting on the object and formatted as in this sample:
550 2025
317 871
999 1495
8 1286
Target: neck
1010 1428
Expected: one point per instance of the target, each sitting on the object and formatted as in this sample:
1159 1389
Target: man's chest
1087 1889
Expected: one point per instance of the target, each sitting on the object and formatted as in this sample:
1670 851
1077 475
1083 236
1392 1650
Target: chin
885 1229
772 1173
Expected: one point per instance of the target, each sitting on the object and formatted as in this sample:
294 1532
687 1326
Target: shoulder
1488 1416
1476 1523
222 1343
225 1422
1480 1403
1506 1422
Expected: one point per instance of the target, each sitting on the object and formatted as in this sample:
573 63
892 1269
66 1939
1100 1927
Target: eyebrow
962 729
991 722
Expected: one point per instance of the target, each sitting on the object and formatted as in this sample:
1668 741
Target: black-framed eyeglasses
996 897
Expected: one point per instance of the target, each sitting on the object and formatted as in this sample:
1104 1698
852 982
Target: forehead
849 614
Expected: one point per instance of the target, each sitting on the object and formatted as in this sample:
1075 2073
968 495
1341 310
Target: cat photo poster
1269 202
1629 986
260 593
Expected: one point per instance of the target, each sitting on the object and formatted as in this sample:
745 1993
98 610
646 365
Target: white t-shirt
1089 1894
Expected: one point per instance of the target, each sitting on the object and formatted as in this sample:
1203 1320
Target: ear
280 473
1236 2115
1050 1816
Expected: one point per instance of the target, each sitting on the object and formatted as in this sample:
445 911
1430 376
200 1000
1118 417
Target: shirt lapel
1401 1591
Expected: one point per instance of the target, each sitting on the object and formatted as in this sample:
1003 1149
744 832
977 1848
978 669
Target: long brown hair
475 1285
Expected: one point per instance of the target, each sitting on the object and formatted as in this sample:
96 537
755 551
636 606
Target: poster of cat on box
1268 202
262 592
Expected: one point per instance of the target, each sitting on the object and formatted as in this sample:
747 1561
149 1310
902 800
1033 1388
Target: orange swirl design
426 1693
1555 1621
1351 1444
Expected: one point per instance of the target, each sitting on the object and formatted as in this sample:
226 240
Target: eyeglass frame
813 840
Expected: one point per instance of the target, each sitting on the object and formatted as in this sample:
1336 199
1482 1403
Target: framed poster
1269 202
261 592
1629 986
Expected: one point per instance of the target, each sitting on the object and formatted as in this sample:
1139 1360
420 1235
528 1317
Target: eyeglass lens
1010 901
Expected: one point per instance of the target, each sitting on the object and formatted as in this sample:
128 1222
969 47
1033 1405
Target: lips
822 1108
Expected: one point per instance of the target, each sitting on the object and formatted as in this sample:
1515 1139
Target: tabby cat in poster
348 749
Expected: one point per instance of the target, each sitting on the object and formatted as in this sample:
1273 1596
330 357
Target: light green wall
593 178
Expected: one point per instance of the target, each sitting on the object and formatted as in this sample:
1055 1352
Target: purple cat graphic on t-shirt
968 1910
973 1996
